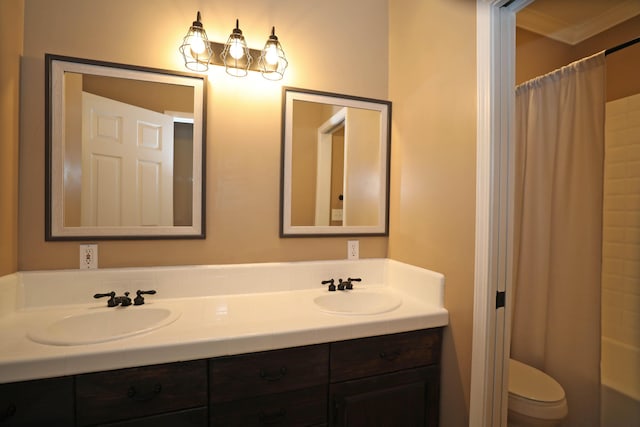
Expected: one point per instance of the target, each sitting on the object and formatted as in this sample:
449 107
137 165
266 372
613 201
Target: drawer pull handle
134 394
273 376
9 412
390 356
273 417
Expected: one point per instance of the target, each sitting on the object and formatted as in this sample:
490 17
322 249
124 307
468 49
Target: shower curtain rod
621 46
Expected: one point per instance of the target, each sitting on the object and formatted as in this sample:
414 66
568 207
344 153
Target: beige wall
433 87
537 55
11 29
243 115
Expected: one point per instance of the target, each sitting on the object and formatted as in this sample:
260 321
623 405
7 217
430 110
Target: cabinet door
402 399
37 403
297 408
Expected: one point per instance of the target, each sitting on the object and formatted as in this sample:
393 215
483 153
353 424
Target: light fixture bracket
219 54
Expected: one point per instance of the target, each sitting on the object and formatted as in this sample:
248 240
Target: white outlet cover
88 257
353 249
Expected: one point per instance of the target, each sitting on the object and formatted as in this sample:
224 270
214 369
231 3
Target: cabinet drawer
378 355
136 392
306 407
268 372
196 417
37 403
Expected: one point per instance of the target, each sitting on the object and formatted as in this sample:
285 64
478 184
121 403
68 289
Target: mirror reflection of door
330 170
337 176
121 144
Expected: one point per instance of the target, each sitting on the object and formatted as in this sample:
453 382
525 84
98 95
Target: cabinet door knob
390 356
272 417
9 412
138 396
273 376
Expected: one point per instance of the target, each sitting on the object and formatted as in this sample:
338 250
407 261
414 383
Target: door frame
495 61
323 168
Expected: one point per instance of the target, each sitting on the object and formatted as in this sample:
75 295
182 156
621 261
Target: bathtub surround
621 258
224 309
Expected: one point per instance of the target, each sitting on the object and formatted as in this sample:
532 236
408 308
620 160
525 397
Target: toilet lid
530 383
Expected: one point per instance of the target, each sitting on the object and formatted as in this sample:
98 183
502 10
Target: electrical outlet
88 257
353 249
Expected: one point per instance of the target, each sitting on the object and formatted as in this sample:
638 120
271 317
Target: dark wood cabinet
281 387
306 407
127 394
196 417
388 380
37 403
268 372
402 399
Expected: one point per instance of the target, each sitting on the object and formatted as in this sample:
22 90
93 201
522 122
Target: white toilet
535 399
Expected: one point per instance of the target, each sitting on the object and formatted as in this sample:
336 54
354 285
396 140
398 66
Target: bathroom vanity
253 357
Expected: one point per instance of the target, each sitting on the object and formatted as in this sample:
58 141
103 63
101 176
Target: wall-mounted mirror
335 164
125 151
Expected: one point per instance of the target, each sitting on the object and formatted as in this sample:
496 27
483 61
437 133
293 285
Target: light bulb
197 44
236 50
271 55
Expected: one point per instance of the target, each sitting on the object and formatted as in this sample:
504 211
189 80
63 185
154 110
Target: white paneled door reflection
122 143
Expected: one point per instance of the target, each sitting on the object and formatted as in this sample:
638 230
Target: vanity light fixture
237 58
236 55
196 49
273 61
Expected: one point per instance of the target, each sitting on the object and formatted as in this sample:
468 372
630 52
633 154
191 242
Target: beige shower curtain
558 230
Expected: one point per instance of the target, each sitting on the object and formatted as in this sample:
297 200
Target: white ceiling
572 21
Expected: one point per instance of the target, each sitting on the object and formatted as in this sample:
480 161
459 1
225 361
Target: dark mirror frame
54 214
287 229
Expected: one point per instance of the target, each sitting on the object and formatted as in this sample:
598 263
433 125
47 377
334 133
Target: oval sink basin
358 302
101 326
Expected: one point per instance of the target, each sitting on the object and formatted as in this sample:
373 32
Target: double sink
102 324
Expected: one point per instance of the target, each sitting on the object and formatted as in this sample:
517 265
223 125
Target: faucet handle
139 299
332 287
111 295
349 283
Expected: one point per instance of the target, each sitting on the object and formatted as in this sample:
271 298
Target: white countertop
213 325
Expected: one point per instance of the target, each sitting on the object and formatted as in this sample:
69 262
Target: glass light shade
236 56
196 49
273 62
